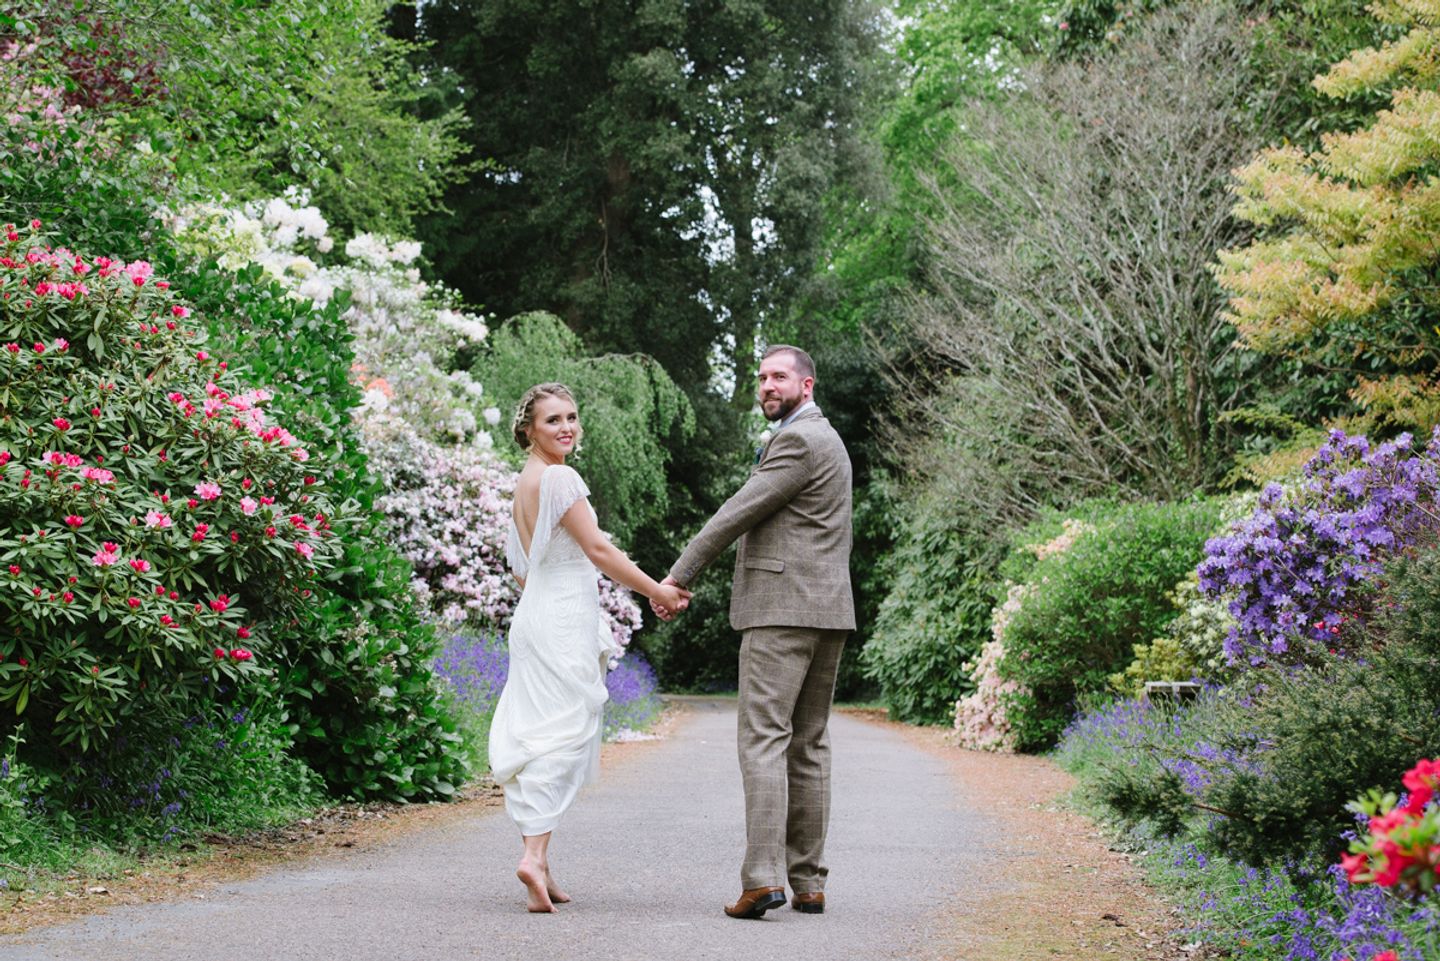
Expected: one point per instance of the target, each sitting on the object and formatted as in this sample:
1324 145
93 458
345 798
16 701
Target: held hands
671 600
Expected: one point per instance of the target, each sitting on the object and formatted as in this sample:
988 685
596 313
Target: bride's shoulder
564 482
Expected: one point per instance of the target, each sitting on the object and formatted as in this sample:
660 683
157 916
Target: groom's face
780 389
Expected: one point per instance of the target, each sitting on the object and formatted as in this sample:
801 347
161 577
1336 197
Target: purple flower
1296 569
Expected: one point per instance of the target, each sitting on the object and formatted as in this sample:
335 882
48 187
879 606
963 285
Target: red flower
220 603
219 653
240 654
61 423
74 520
68 597
243 633
15 570
200 531
133 602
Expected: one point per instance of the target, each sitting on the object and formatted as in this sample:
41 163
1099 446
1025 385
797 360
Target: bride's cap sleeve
565 487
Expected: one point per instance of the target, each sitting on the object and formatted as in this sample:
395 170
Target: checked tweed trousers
787 681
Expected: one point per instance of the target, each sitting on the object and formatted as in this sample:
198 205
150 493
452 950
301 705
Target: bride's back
525 508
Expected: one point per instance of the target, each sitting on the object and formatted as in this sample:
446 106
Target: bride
545 737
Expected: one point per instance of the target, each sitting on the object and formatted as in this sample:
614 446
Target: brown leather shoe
812 902
755 902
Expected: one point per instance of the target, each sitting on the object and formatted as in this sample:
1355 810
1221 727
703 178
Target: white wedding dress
545 737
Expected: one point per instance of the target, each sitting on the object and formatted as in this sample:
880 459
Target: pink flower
139 272
156 519
207 490
180 311
140 566
306 551
240 654
201 355
106 556
99 475
74 520
248 505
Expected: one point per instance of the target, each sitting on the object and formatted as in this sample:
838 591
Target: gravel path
650 854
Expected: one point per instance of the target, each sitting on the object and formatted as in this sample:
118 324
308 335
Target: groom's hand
666 613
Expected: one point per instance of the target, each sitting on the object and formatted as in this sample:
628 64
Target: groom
791 600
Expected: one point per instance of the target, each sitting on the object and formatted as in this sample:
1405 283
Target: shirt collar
797 412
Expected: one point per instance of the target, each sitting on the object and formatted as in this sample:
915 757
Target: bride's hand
670 600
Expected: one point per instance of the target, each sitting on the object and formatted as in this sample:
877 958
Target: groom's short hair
804 366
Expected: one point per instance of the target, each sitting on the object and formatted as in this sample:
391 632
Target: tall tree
658 165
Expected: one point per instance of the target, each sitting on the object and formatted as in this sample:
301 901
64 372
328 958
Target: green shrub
1280 754
934 620
631 410
361 697
1090 605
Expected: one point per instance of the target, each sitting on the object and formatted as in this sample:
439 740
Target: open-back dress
545 736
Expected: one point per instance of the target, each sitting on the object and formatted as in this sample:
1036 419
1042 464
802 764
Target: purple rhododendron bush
1247 798
154 516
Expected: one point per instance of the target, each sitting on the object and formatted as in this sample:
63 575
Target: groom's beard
783 411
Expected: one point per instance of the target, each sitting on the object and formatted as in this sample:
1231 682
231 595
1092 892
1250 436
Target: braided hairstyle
525 412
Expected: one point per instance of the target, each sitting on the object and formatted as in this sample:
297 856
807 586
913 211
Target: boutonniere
764 439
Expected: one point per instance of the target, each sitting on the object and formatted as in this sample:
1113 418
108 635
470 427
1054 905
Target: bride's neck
546 459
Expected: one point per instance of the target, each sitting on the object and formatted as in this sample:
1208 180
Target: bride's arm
611 560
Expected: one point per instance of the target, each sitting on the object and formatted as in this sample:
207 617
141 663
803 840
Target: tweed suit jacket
792 518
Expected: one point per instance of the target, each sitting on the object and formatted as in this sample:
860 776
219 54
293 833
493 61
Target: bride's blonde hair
525 412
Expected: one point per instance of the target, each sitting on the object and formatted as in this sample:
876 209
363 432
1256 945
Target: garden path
922 868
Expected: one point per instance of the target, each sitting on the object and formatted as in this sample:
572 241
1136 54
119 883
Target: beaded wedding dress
545 736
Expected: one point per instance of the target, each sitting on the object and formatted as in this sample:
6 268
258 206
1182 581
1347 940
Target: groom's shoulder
816 427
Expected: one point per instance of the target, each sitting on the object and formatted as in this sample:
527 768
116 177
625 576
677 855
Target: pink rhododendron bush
981 720
154 517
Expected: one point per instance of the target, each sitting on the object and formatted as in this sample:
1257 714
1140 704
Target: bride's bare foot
532 875
553 889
